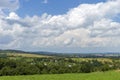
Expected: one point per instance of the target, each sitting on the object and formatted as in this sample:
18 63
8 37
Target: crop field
98 59
25 55
110 75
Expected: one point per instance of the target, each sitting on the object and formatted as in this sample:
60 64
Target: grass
110 75
99 59
26 55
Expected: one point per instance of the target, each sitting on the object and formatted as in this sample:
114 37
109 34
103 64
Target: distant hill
76 55
19 53
12 51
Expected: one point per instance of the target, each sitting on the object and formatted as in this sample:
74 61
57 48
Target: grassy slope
26 55
111 75
17 53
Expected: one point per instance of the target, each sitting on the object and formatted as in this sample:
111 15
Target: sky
72 26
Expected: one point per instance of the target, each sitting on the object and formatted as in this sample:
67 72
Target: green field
26 55
110 75
89 59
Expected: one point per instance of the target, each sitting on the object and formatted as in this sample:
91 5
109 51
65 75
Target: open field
110 75
89 59
25 55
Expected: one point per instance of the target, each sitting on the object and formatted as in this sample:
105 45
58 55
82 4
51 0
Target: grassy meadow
89 59
26 55
110 75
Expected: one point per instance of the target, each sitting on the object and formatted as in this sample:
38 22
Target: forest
30 66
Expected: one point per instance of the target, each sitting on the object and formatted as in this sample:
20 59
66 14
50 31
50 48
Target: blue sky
53 7
60 26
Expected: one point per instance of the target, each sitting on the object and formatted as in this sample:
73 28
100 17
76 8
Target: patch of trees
3 55
28 66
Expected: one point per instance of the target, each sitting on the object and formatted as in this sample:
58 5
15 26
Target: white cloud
13 16
88 25
9 4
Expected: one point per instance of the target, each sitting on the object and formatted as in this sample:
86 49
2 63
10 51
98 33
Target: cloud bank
87 25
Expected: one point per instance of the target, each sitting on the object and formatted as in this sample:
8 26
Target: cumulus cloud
88 25
13 16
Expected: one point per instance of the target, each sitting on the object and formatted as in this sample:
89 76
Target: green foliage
3 55
30 66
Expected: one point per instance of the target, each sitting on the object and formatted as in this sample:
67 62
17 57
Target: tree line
30 66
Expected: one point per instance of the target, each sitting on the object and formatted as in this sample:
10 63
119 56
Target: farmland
89 59
16 54
110 75
20 65
25 55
